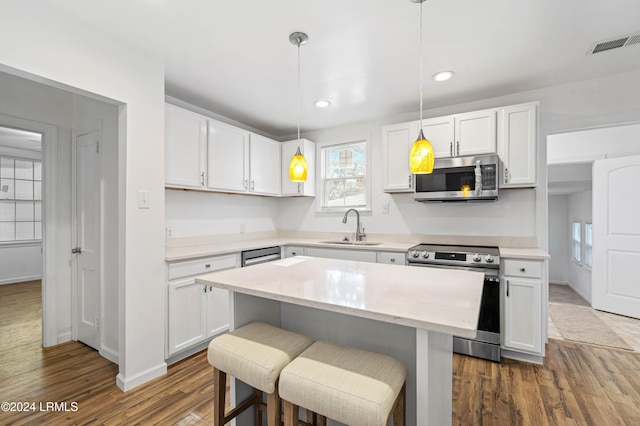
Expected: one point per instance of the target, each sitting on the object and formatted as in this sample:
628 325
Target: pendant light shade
421 155
298 166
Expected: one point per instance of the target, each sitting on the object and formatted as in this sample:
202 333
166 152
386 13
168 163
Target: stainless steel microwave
473 178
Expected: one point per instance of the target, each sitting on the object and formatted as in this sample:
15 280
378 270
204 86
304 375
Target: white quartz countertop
442 300
523 253
173 254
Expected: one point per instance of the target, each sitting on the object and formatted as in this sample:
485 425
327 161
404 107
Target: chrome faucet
359 234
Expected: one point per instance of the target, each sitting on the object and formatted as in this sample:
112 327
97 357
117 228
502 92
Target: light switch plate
143 200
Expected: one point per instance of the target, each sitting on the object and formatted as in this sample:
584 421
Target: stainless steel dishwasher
262 255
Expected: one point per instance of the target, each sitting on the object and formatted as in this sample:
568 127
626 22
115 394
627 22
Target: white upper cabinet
475 133
185 148
264 169
396 146
303 189
471 133
227 158
439 132
517 145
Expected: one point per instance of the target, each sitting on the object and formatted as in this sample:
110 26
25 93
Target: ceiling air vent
615 43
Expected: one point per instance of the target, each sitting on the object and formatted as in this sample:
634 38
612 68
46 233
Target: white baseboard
580 294
15 280
64 337
128 383
110 354
558 282
521 356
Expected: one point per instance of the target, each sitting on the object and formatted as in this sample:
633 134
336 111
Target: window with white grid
344 181
20 199
576 241
588 245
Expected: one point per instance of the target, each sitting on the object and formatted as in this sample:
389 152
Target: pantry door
87 245
616 236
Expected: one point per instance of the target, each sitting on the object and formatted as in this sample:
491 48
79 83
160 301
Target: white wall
580 208
559 238
191 213
609 142
43 43
19 263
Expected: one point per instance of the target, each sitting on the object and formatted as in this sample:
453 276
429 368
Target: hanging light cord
299 43
421 73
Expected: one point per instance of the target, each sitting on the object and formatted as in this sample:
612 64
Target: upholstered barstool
349 385
255 354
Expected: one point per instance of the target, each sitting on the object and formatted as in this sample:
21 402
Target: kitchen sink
352 243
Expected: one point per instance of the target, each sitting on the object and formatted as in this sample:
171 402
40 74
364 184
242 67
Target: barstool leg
399 410
290 414
219 392
273 408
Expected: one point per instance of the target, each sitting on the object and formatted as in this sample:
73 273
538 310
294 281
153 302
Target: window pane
37 231
344 176
24 169
7 231
37 211
7 211
24 231
7 189
24 190
37 190
575 235
24 211
345 161
37 170
6 167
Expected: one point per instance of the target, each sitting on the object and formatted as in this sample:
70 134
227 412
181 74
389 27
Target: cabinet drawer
522 268
201 266
392 258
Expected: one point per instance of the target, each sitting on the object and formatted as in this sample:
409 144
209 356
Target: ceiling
234 57
20 139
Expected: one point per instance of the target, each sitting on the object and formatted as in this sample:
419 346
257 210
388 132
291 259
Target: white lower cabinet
348 254
522 295
391 258
290 251
196 312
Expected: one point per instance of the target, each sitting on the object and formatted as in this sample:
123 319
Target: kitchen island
406 312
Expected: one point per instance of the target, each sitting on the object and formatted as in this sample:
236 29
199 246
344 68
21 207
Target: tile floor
627 328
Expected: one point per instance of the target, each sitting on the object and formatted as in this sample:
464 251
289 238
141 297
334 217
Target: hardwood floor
578 385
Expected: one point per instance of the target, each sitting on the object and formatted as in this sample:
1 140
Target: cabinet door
308 149
396 146
517 145
187 314
217 311
522 314
264 166
228 158
185 148
475 133
440 132
391 258
290 251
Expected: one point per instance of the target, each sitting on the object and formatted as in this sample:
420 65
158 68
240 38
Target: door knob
76 250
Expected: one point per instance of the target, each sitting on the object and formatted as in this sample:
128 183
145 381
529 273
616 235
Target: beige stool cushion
256 353
349 385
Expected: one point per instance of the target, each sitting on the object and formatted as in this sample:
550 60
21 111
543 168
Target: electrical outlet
169 232
143 199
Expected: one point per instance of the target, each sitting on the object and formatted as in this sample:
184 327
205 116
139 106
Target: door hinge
97 323
98 147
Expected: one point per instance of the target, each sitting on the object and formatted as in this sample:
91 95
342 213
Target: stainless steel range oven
486 345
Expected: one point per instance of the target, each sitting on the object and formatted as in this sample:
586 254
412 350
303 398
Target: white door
227 158
476 133
87 250
397 140
616 236
185 148
187 314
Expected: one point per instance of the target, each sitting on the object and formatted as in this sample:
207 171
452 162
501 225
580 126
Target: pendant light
298 165
421 156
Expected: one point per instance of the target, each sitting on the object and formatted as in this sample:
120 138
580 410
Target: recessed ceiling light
443 75
323 104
